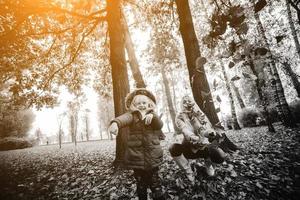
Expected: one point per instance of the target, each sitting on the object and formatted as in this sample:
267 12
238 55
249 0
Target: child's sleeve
182 126
207 128
123 120
157 123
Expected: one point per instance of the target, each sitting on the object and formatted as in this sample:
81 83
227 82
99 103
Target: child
144 153
197 130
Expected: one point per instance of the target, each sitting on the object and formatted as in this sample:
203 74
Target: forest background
79 58
64 55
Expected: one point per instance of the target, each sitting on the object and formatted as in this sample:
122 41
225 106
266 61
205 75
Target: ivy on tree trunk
282 105
293 76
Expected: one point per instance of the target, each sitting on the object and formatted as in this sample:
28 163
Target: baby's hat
138 91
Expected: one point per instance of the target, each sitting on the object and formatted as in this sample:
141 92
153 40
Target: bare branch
134 4
90 16
48 52
57 32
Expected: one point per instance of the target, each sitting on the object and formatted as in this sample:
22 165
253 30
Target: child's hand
148 118
113 128
194 139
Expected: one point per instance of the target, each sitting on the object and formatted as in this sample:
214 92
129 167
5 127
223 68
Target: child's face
187 102
141 102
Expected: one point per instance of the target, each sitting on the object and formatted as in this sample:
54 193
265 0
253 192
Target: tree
260 86
105 112
87 128
292 26
164 55
41 43
235 123
282 105
293 76
134 65
119 70
295 4
73 120
60 119
38 134
238 95
15 122
195 63
168 96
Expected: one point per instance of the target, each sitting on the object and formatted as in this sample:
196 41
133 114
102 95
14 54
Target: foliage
231 15
9 143
15 122
43 46
266 167
249 117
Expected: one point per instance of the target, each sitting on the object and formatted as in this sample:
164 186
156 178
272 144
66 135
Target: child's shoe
209 167
184 164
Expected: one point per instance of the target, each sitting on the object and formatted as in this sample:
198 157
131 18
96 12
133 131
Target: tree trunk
173 90
168 97
75 128
293 76
100 130
238 96
81 135
235 123
296 6
262 97
87 128
288 119
119 71
167 117
281 103
292 26
198 80
72 128
59 135
134 65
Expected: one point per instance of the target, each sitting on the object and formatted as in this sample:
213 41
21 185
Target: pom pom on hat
139 91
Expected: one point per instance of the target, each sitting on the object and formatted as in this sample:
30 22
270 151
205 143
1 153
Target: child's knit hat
138 91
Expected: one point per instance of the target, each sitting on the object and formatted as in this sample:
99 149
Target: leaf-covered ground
266 167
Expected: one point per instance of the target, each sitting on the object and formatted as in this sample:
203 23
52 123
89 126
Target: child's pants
145 179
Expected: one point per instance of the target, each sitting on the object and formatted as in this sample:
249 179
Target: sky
47 118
